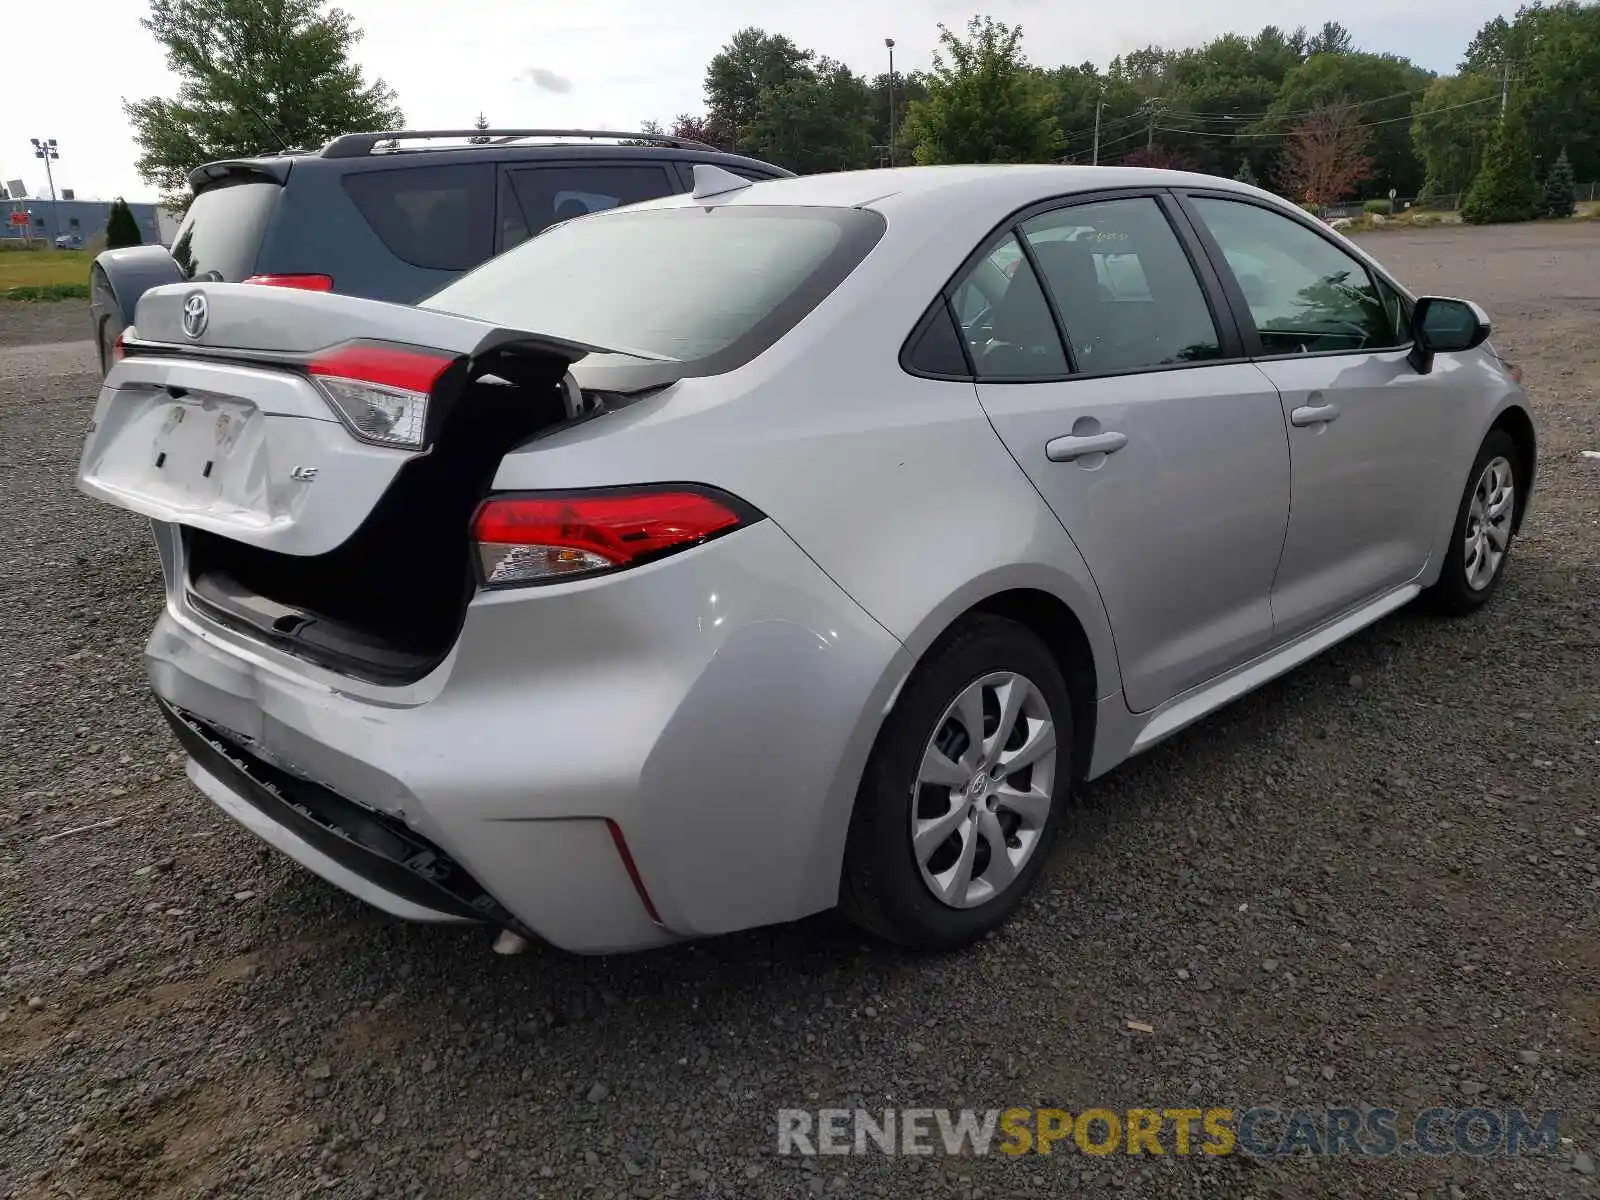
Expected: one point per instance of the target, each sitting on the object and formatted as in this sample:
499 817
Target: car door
1120 389
534 196
1363 444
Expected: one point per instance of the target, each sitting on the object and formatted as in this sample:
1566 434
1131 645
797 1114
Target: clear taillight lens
545 538
380 391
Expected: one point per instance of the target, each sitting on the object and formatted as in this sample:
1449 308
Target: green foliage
985 103
819 120
1554 52
1378 88
1381 208
1560 192
252 76
121 228
1245 174
481 123
1505 189
47 291
1450 127
752 64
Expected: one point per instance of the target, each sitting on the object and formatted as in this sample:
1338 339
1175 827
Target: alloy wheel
1489 517
984 789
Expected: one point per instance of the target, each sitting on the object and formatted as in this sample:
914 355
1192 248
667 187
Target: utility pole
45 148
889 42
1151 108
1099 104
1505 87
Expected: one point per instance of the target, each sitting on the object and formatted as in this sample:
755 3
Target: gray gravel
1375 881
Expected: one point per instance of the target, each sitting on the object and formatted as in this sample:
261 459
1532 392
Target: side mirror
1441 325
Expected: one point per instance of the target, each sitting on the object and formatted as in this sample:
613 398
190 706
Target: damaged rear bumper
367 853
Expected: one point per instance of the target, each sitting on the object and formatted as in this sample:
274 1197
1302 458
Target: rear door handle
1314 414
1066 449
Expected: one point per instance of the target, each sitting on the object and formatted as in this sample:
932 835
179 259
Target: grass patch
46 291
44 268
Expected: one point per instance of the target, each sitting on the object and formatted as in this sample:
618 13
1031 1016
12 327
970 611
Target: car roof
908 188
570 146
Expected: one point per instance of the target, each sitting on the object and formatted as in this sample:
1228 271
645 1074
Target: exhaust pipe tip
510 943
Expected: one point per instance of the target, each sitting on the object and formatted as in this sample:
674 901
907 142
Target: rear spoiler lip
213 173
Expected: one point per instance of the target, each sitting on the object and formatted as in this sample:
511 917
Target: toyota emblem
196 314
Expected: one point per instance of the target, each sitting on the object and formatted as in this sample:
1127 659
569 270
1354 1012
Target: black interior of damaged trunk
390 601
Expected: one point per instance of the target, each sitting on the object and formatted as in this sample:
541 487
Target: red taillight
119 348
381 391
546 538
306 283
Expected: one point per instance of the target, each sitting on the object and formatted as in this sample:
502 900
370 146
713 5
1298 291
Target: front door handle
1069 448
1314 414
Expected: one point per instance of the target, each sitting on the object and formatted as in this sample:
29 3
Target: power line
1290 133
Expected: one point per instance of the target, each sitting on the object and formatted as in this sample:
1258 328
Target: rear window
707 287
541 196
221 233
439 218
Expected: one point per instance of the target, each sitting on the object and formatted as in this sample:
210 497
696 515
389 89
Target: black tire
882 888
1453 595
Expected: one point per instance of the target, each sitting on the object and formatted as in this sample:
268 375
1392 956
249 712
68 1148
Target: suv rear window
439 218
706 287
541 196
221 233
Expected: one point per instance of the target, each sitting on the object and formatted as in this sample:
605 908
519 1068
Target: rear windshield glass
707 287
221 233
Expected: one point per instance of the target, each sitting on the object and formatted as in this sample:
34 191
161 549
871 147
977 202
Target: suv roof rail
357 145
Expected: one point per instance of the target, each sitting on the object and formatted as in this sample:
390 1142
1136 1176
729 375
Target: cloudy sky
614 63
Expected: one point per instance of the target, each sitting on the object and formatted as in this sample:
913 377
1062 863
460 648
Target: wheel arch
1054 623
1518 425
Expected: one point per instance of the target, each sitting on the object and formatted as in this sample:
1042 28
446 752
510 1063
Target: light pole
889 42
45 148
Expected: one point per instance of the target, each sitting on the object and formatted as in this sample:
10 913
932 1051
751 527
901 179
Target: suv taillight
380 391
306 283
547 537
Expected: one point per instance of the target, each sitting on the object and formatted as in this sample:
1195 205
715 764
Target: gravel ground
1373 882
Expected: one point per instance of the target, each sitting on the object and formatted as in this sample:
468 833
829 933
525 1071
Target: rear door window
439 217
1127 294
542 196
222 231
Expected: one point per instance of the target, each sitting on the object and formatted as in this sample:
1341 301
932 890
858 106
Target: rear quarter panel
897 487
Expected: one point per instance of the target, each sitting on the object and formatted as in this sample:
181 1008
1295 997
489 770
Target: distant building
80 219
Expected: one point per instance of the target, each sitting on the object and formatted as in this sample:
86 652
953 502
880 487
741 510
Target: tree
121 229
752 62
708 131
907 90
1505 189
1160 157
1245 173
1326 156
984 104
820 120
1553 51
1332 38
481 123
1378 88
1560 193
252 76
1450 126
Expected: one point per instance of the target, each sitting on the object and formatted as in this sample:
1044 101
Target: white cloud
544 80
626 61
